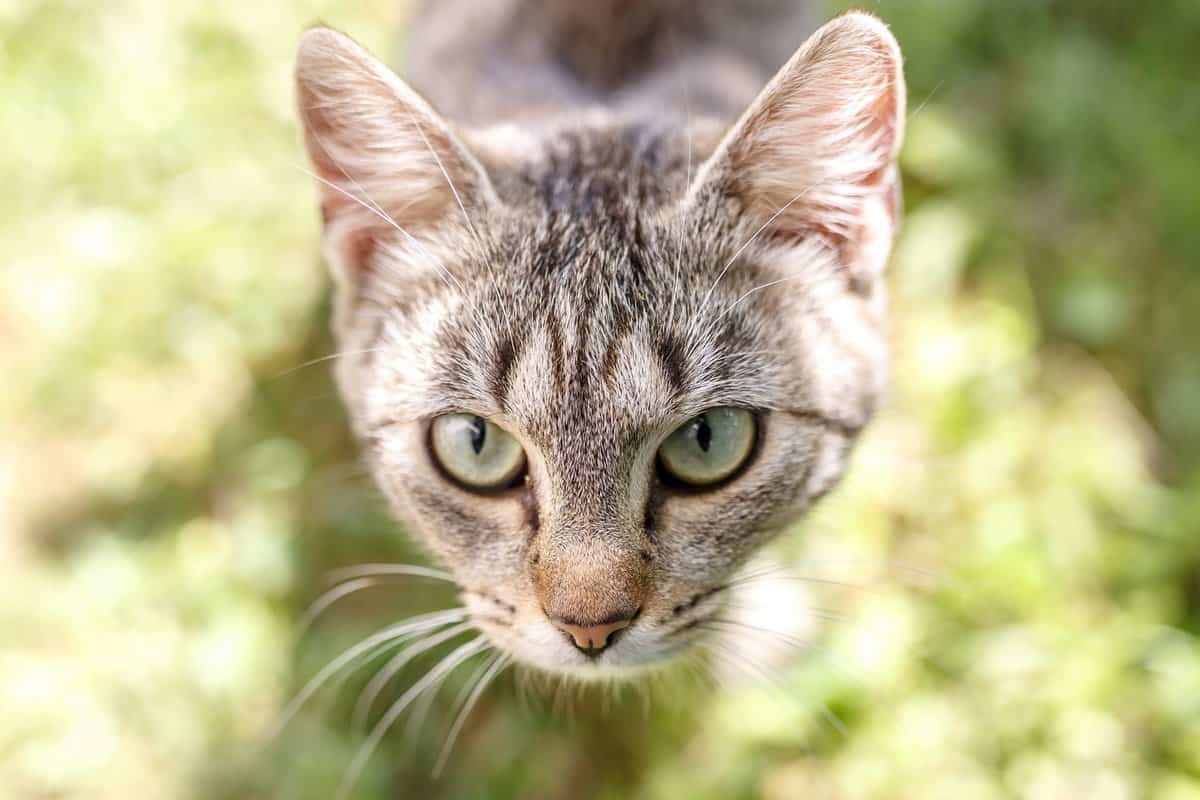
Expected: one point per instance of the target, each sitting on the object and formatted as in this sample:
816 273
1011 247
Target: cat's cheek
479 537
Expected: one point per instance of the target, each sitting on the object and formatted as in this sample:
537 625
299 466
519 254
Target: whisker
446 665
382 569
757 671
733 658
466 217
759 288
807 645
328 598
783 572
340 681
322 359
497 665
792 641
442 270
834 721
366 195
418 717
874 562
370 693
826 614
349 580
445 274
928 97
424 703
698 668
336 471
762 675
433 619
748 242
768 577
445 174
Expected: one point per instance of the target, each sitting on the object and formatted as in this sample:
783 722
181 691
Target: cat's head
598 363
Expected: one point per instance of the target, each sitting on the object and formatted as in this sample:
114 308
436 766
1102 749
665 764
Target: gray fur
603 277
481 61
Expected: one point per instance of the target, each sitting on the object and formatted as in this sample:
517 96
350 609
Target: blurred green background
175 485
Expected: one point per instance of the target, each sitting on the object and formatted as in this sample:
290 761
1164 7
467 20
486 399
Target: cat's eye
709 447
476 452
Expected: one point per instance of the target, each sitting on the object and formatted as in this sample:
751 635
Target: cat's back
481 61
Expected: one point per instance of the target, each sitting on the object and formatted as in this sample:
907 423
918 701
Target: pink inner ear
383 158
815 155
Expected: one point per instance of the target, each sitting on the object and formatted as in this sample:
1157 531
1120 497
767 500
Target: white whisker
446 665
833 719
349 580
733 624
434 619
788 572
323 359
344 676
327 599
928 97
446 275
758 288
420 712
749 241
370 693
463 208
384 569
445 174
760 674
493 668
824 614
418 717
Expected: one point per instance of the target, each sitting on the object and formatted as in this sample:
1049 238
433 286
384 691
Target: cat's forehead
587 329
550 390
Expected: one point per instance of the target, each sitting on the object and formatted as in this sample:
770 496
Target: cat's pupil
478 434
703 433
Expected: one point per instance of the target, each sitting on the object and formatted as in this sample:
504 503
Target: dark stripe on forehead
582 333
507 353
670 352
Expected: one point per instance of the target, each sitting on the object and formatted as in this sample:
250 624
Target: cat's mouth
745 618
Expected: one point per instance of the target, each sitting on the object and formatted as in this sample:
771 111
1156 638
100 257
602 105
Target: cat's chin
635 655
606 673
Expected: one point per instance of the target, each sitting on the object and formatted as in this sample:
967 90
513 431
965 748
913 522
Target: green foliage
176 479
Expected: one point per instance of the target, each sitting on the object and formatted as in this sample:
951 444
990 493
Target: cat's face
598 364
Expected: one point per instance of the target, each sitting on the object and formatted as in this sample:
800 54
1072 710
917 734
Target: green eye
709 447
476 452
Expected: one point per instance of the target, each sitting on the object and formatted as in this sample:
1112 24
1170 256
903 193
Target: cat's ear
389 167
815 154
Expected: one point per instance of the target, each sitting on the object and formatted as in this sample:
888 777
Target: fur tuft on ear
815 154
388 166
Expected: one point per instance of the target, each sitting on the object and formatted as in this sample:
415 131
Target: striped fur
590 278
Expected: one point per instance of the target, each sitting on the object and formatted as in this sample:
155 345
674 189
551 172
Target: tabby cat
611 314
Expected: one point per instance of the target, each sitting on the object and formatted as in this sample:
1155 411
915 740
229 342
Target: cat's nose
591 639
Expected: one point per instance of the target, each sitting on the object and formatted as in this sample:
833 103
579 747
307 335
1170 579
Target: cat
612 316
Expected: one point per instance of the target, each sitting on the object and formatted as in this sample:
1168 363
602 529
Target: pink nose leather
592 637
